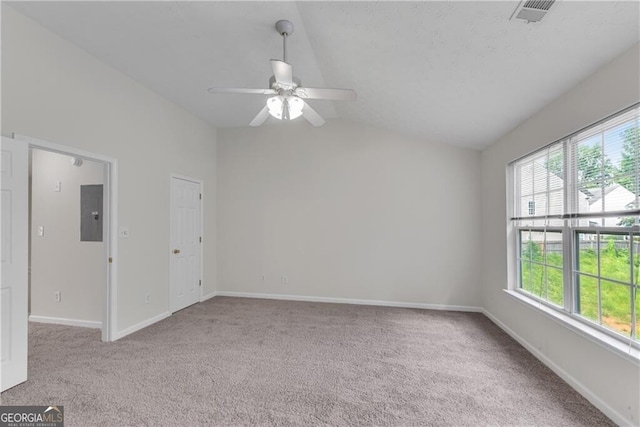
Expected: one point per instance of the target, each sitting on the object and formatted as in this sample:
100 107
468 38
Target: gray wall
348 211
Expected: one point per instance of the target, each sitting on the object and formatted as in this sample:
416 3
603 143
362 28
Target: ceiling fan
287 93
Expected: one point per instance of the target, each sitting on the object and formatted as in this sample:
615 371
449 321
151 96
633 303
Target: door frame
110 197
173 176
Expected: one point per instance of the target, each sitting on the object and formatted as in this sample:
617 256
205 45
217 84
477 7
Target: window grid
586 210
536 263
629 282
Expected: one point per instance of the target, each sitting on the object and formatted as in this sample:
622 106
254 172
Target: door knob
176 251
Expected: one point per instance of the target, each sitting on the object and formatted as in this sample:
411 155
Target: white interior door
14 211
185 243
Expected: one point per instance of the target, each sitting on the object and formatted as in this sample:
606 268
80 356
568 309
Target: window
532 207
576 217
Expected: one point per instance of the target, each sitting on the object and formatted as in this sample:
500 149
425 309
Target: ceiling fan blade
239 90
330 94
282 72
260 118
311 115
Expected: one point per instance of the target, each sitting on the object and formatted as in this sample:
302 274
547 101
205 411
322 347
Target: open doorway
67 263
72 237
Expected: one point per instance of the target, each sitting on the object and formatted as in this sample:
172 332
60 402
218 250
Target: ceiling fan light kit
285 108
287 93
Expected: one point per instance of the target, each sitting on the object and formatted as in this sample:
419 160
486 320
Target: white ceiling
454 72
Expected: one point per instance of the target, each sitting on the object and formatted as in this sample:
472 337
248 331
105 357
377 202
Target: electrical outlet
147 298
285 279
58 296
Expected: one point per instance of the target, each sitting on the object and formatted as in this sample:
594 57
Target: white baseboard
208 296
350 301
131 329
68 322
614 415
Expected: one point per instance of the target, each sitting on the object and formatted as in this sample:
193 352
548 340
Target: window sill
617 347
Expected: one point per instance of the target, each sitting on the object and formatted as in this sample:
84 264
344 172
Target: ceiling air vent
532 10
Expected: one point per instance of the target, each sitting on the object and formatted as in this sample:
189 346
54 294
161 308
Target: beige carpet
232 361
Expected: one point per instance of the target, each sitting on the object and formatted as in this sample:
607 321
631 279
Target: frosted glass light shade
278 104
274 104
295 107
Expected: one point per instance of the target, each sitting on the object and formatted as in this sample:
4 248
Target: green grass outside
546 282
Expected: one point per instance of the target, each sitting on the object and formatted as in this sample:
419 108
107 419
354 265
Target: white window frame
570 230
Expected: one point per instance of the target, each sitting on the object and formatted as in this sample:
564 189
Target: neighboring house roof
594 195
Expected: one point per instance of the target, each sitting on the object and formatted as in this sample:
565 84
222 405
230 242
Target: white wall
54 91
59 260
608 379
348 211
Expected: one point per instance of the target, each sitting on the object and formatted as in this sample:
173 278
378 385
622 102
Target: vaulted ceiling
453 72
